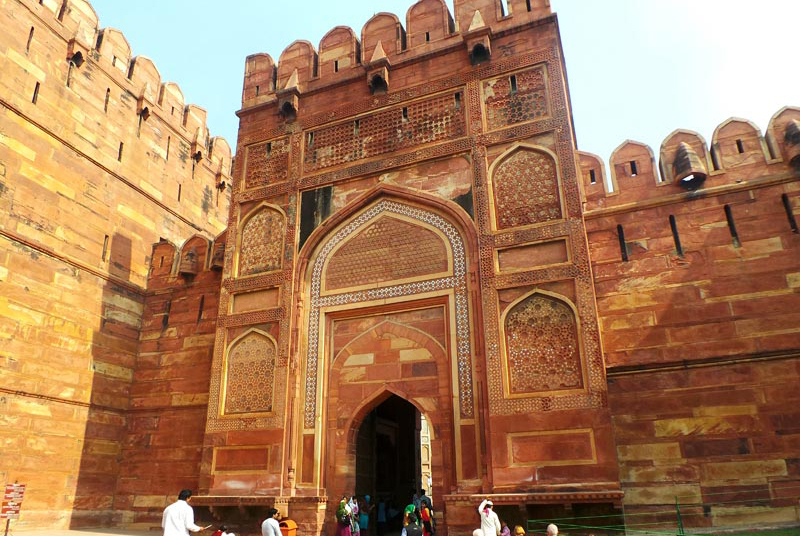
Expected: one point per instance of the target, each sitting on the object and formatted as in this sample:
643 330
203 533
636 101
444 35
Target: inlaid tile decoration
457 282
250 375
542 349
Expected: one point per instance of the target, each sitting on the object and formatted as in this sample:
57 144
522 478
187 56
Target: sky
637 69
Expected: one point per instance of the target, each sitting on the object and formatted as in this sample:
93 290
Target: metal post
8 520
678 513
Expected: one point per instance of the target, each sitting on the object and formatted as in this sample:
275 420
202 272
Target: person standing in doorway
490 524
178 518
413 529
381 516
364 511
271 526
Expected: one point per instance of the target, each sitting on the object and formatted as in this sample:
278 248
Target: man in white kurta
270 526
178 517
490 523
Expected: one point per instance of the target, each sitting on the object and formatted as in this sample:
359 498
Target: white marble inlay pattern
457 282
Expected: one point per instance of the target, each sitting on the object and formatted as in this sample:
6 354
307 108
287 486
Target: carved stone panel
515 98
267 163
249 381
262 242
526 190
388 249
542 349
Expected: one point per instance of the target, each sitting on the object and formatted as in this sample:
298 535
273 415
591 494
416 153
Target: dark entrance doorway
388 463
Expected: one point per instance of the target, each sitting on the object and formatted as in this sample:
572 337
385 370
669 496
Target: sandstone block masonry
98 160
410 217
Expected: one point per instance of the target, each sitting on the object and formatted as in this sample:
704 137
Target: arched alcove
249 376
542 351
525 187
260 241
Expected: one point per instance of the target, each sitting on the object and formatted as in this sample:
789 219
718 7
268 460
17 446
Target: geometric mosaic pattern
525 188
386 250
542 349
424 121
250 375
262 243
457 282
508 104
267 163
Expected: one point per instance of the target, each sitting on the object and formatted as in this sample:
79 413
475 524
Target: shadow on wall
113 357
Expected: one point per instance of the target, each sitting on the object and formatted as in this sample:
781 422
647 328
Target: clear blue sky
638 69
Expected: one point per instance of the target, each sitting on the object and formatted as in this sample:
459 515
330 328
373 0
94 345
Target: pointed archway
370 328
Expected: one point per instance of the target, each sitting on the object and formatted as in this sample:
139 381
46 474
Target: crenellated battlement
107 50
687 163
429 29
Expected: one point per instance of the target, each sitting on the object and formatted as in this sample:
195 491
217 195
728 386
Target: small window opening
200 308
35 93
405 113
715 157
310 139
378 86
513 81
503 7
105 249
675 236
180 187
165 316
161 262
113 61
528 5
457 101
732 227
623 248
108 97
169 140
356 127
739 146
479 54
634 168
335 66
28 44
119 153
592 177
258 90
77 59
789 213
269 148
427 37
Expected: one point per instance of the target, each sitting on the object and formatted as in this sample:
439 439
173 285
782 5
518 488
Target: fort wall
409 214
163 443
696 283
98 160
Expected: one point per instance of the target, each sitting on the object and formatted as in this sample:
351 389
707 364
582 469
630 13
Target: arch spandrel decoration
456 280
525 187
542 346
261 241
249 374
387 249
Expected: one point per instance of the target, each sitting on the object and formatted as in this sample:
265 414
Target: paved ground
83 532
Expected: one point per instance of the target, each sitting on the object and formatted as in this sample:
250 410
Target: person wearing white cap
490 523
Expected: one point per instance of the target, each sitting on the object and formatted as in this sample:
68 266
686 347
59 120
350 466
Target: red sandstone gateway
405 288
